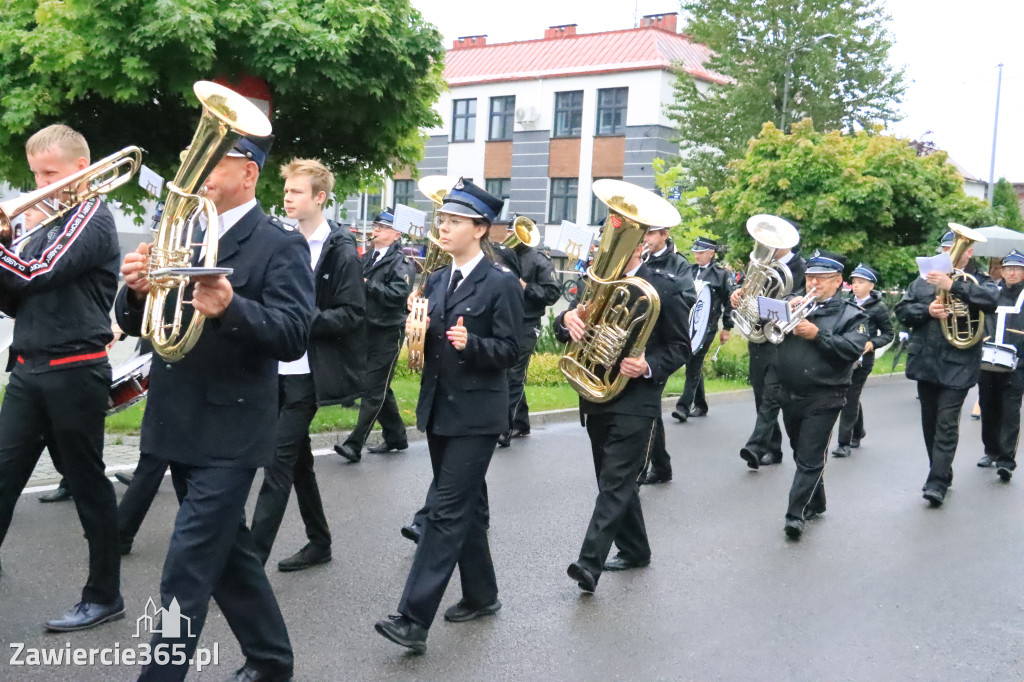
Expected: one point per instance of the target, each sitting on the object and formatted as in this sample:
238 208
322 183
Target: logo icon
166 622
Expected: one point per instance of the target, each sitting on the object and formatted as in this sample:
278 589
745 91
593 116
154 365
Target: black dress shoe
699 412
934 496
61 494
124 477
1005 473
503 441
310 555
767 459
126 545
462 611
680 415
855 443
794 528
812 513
384 448
751 458
412 532
403 631
247 673
346 451
622 563
584 578
519 433
841 451
85 615
986 462
653 477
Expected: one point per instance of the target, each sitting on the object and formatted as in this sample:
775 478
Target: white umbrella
1001 241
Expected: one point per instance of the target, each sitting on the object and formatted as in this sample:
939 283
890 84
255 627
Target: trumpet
56 199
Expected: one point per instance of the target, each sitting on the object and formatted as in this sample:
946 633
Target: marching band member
813 370
943 372
851 419
324 375
212 416
621 431
474 315
60 375
1001 392
706 269
387 276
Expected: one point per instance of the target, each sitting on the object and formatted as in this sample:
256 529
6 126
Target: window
503 111
373 205
499 187
563 200
403 192
611 111
463 120
598 209
568 113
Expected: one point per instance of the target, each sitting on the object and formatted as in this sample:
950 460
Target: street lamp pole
789 70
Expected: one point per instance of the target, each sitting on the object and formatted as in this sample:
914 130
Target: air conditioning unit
527 114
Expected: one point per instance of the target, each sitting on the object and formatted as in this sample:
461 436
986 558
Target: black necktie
456 278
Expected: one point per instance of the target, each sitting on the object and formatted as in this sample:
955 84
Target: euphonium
57 198
619 313
226 117
434 187
960 328
765 276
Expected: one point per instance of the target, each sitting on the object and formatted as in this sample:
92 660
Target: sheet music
773 309
410 221
150 181
574 241
940 262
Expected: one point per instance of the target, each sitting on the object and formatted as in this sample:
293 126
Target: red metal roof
626 50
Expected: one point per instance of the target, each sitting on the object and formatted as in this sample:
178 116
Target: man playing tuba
943 372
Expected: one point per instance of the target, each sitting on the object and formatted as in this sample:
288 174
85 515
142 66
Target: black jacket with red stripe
61 287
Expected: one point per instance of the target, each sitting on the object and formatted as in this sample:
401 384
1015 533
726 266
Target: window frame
562 199
612 110
505 187
467 117
406 198
569 111
507 117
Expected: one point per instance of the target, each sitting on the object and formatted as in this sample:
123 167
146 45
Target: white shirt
380 254
227 220
316 247
466 269
862 301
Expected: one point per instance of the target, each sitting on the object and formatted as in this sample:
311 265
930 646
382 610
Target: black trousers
851 419
620 444
66 410
809 420
455 532
519 410
940 421
135 503
378 402
293 462
766 437
693 389
212 554
1000 395
659 461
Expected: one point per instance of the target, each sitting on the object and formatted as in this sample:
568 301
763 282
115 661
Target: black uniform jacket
880 331
826 362
465 393
542 287
1008 297
720 281
61 286
388 285
930 357
798 267
218 405
667 350
337 337
669 261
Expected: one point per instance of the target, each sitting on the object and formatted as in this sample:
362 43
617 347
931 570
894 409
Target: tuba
765 276
619 313
961 329
226 117
56 199
434 187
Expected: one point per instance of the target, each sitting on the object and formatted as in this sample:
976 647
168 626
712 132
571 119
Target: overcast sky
950 49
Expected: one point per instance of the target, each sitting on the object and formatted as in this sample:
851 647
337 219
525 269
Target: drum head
700 316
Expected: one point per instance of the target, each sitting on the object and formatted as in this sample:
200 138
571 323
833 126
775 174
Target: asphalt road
880 588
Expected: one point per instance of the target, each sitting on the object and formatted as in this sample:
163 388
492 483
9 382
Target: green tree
694 222
833 54
867 195
352 81
1006 206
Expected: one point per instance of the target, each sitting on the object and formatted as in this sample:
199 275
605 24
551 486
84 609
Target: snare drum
129 384
998 357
